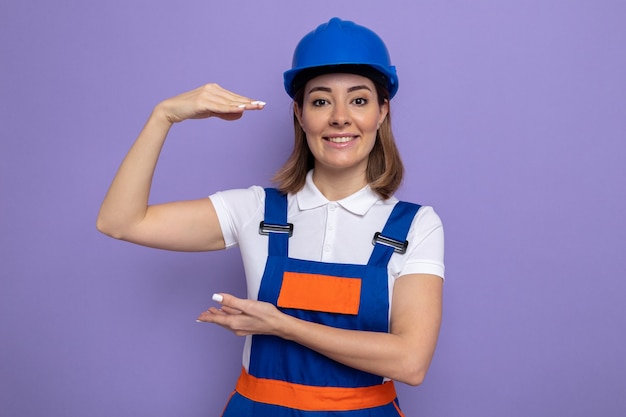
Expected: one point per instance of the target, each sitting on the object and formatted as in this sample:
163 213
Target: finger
210 314
229 98
232 111
228 300
212 100
229 310
252 105
232 114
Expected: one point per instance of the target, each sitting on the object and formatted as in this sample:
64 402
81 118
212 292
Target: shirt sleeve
235 209
426 242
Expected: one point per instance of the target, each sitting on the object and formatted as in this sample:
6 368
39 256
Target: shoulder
426 244
425 218
238 206
428 217
426 223
251 196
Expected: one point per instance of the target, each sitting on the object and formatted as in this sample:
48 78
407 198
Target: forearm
404 354
394 356
126 201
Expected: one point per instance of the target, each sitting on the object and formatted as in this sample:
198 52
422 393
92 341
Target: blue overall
292 365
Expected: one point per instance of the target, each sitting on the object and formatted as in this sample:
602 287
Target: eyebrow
329 90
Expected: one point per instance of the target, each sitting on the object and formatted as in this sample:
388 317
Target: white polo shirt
328 231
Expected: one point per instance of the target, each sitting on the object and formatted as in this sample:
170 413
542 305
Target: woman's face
340 115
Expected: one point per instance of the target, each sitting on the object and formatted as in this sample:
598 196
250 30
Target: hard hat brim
296 78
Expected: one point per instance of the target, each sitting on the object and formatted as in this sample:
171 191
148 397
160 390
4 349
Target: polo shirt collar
359 203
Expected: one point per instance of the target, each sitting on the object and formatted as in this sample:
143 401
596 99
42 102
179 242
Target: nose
340 115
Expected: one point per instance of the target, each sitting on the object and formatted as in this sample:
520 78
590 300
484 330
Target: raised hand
210 100
184 225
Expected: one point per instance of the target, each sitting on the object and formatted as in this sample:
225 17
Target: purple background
511 117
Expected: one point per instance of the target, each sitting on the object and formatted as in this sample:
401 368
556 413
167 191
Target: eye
319 102
360 101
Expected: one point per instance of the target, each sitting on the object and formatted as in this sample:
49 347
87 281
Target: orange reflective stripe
320 293
311 398
400 413
229 398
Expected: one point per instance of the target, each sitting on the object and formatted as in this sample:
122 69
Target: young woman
344 281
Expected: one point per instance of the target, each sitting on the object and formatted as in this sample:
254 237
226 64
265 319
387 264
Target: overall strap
275 223
393 236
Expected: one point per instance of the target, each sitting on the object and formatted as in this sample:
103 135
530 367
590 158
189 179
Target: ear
384 111
297 111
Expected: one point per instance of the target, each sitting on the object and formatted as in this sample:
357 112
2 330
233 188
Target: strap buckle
397 245
265 228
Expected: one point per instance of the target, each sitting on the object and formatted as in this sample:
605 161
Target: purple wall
511 117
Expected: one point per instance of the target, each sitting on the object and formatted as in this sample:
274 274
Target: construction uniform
282 378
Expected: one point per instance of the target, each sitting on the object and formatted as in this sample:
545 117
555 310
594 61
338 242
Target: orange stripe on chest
320 293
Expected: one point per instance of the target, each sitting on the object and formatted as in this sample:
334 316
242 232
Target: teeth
343 139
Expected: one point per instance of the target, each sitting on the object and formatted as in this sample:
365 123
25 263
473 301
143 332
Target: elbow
414 378
117 225
106 227
102 227
411 372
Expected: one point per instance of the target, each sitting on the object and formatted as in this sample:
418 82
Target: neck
337 185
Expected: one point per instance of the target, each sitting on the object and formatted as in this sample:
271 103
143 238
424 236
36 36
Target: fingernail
218 298
198 321
260 103
241 106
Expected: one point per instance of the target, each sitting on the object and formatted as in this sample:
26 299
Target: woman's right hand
210 100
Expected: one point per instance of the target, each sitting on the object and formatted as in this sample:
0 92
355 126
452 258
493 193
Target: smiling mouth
340 139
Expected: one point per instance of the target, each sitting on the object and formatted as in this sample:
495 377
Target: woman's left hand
241 316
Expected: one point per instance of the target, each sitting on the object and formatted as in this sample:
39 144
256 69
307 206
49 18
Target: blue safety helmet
341 46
